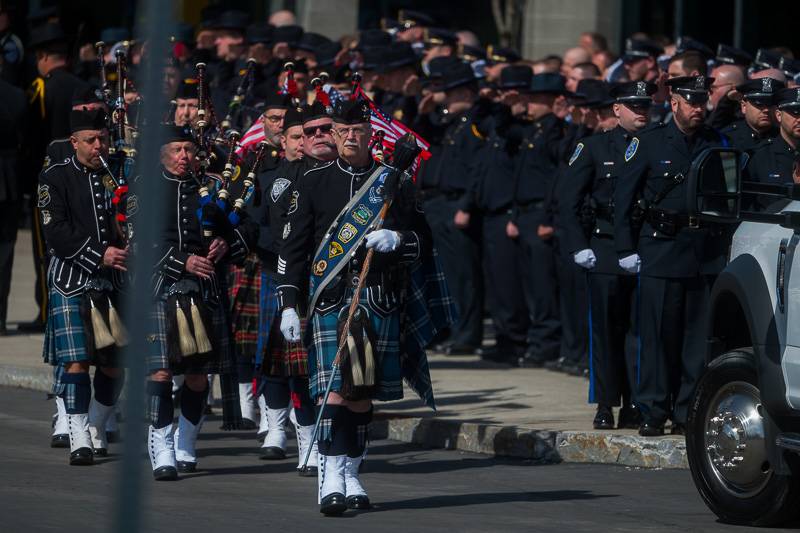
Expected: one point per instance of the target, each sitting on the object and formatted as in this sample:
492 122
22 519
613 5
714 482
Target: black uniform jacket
586 197
12 116
537 164
657 157
746 138
78 222
322 193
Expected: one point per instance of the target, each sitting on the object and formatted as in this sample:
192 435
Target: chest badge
278 186
631 150
576 154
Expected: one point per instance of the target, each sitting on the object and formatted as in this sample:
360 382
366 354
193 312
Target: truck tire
727 449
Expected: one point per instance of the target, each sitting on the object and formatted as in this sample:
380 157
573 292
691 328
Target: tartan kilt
323 347
219 361
65 337
274 355
244 286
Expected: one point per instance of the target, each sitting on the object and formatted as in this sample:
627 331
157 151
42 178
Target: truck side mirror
715 185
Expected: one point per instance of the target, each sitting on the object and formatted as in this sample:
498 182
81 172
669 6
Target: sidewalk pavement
533 414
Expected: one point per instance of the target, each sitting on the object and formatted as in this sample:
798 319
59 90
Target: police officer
587 215
87 261
667 253
772 161
758 111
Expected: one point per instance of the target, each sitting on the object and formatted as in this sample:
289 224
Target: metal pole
738 19
678 18
154 26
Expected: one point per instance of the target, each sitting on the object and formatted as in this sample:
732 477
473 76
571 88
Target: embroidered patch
278 186
46 218
631 151
576 153
319 267
46 161
287 229
44 196
293 202
335 249
237 171
108 182
362 214
347 233
131 205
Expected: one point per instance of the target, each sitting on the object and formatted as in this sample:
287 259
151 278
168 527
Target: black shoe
604 419
34 326
678 429
100 452
531 360
248 424
165 473
556 365
186 467
629 417
309 471
3 329
81 457
651 429
272 453
333 504
59 441
113 436
358 502
459 349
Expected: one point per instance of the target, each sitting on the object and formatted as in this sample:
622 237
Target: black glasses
311 131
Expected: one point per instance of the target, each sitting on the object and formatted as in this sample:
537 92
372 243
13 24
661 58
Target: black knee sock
77 392
306 412
161 410
358 432
106 388
333 431
276 393
192 403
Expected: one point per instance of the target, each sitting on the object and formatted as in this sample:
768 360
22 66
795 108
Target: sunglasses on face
311 131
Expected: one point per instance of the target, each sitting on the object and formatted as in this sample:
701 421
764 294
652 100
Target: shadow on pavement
461 500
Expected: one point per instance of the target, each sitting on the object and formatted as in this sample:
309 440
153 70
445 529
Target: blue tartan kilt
323 346
221 360
268 314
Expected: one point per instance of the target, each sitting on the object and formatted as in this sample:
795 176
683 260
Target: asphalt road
412 489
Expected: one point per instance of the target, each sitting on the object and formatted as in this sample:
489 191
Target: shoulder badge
237 171
44 196
576 153
631 151
278 186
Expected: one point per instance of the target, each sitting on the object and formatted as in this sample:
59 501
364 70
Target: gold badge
335 249
237 171
347 233
319 267
44 196
362 214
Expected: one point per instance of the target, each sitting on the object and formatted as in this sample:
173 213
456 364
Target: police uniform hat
326 54
293 117
310 42
372 58
114 35
390 25
687 44
87 119
259 34
47 34
496 54
300 65
548 83
290 34
351 112
693 88
232 19
209 16
86 96
396 56
594 94
439 37
455 75
640 48
436 68
767 59
788 98
372 39
187 89
173 133
789 66
409 19
634 92
471 53
276 100
760 89
730 55
314 111
515 77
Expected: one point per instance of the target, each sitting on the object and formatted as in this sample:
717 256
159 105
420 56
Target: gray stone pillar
331 18
552 26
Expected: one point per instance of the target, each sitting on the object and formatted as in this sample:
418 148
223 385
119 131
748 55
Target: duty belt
533 205
670 222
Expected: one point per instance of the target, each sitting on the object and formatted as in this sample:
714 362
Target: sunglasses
325 129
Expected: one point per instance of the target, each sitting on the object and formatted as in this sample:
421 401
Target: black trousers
460 253
504 298
8 236
40 259
539 285
614 338
673 314
573 306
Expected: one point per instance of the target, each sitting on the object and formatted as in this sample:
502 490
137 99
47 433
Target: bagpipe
246 82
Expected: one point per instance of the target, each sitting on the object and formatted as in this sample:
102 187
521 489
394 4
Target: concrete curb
541 446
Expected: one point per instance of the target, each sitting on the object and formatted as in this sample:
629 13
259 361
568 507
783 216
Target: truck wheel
727 449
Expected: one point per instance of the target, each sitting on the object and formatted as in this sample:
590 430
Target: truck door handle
780 281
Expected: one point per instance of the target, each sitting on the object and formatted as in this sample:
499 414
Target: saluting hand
199 266
115 258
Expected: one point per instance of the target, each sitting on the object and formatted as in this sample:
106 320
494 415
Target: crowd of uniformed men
553 196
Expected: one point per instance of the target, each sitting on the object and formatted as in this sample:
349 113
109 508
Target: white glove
631 263
383 240
585 258
290 325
